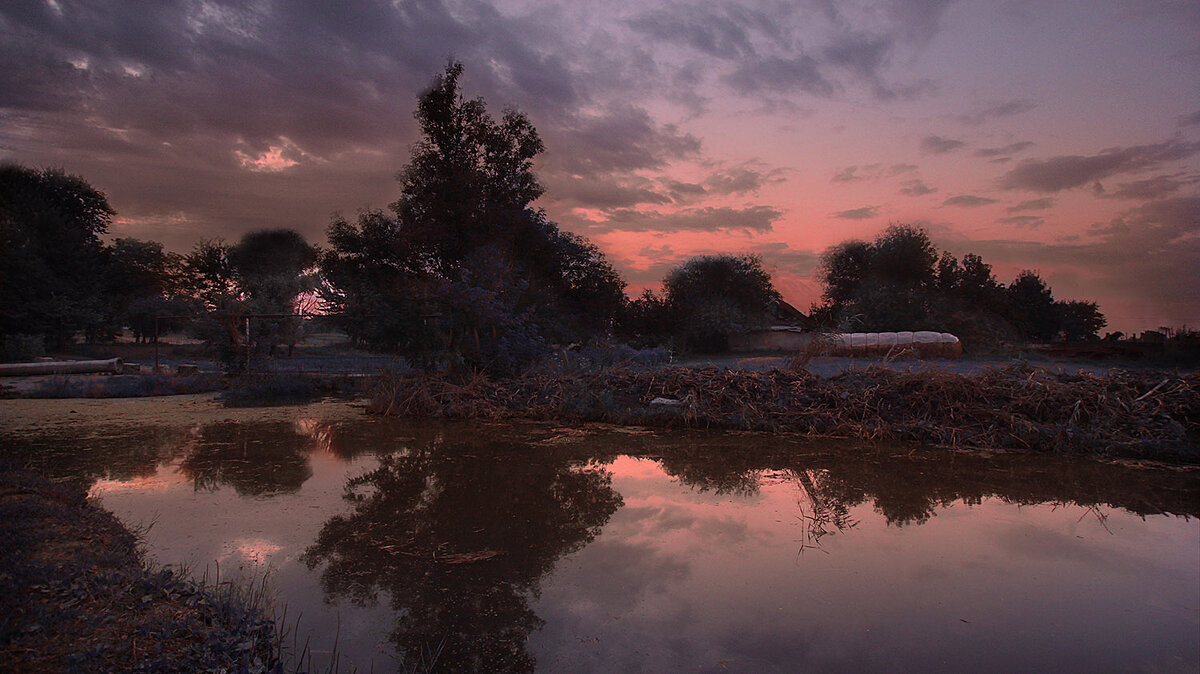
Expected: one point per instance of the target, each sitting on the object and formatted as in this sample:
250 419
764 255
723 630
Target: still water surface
531 547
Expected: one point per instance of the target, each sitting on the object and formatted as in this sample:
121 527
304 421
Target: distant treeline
462 269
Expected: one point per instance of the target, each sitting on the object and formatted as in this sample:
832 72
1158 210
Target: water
520 547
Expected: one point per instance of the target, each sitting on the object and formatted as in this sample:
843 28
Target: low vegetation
77 596
264 390
1126 414
125 386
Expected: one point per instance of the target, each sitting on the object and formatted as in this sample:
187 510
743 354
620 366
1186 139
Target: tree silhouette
460 536
467 262
711 297
51 258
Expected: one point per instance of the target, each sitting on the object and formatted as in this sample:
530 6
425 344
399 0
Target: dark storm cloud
918 20
1033 205
228 117
968 201
1163 273
1190 120
852 174
996 111
1157 187
1065 172
721 30
760 46
683 192
847 175
800 73
622 138
182 111
738 180
916 188
864 213
940 145
1005 151
605 192
780 254
709 219
1026 221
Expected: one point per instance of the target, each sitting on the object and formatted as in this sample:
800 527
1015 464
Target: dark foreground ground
76 596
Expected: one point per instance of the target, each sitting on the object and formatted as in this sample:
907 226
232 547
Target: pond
532 547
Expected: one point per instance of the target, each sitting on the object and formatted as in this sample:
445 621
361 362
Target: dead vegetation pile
1123 413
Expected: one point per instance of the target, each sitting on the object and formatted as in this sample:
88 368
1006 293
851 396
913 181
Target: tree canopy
51 277
465 262
900 282
705 300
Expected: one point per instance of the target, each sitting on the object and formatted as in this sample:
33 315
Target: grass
77 595
264 390
124 386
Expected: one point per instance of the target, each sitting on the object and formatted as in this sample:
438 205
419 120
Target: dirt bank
76 596
26 415
1136 414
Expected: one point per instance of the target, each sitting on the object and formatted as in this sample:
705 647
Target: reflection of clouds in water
255 550
320 433
159 482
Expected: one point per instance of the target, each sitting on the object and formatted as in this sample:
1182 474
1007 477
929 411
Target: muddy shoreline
76 594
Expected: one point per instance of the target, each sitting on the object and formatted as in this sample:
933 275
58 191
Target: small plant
22 348
264 390
130 386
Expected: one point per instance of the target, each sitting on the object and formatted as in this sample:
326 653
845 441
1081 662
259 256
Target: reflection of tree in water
255 459
85 455
909 488
460 537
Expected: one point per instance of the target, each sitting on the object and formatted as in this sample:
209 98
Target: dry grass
1123 413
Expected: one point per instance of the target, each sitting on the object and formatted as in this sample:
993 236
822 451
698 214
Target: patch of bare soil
27 415
76 596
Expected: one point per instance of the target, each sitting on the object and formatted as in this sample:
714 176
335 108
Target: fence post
247 345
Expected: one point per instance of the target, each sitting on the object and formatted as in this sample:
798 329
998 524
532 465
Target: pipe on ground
112 365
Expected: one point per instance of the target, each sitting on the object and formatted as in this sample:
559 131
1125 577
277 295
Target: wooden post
247 345
155 343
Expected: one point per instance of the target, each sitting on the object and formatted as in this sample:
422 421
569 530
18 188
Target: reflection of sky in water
720 578
687 581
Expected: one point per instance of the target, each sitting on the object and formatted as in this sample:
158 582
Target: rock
665 402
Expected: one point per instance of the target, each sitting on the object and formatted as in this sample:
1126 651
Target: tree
713 296
1031 307
467 263
141 280
1080 321
51 259
470 181
273 267
208 278
884 285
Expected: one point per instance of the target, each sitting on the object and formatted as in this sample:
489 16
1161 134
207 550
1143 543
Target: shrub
131 386
21 348
263 390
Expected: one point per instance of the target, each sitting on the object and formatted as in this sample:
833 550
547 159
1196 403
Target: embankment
1142 414
76 596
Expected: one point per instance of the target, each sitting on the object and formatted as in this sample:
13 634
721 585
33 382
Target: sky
1060 136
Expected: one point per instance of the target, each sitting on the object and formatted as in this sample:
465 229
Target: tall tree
141 280
884 285
467 249
713 296
51 260
1031 307
1080 321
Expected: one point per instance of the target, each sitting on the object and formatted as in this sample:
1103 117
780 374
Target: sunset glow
1056 136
